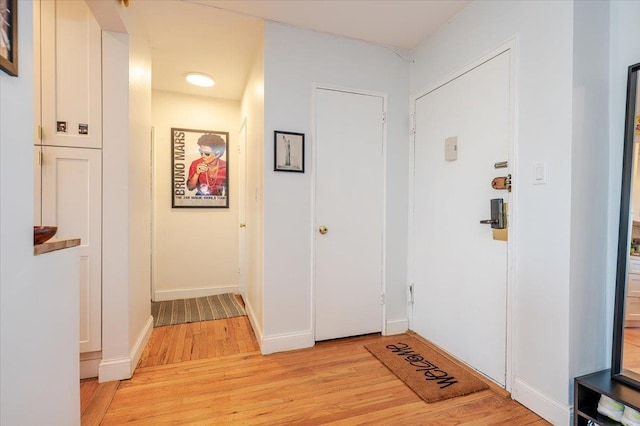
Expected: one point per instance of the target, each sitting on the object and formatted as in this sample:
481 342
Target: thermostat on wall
451 148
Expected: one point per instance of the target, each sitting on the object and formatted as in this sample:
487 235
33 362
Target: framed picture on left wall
199 168
9 36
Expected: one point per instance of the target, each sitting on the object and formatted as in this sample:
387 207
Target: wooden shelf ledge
54 245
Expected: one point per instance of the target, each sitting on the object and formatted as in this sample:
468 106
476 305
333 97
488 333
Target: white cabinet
68 172
71 77
72 200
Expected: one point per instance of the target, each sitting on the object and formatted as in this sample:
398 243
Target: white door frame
314 88
511 46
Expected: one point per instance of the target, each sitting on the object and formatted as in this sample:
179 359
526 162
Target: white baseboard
543 405
141 342
190 293
287 342
122 368
89 364
255 325
89 368
396 326
114 369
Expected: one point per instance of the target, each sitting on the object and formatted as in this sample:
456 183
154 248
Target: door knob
323 230
243 225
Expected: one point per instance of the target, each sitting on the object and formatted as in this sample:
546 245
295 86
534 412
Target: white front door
349 201
459 270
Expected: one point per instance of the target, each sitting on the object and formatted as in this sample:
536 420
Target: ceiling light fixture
200 79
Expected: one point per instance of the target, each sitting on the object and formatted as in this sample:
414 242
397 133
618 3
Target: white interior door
349 203
242 209
459 270
72 201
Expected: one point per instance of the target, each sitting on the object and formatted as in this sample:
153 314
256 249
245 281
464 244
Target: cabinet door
71 75
633 285
72 201
37 186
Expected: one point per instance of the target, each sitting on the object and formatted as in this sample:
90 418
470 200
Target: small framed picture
288 152
9 36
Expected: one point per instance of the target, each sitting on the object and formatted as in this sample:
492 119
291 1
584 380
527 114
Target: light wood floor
335 382
631 349
199 340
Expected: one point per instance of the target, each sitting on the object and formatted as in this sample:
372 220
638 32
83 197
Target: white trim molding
287 342
122 368
89 367
114 369
546 407
190 293
257 329
396 326
141 343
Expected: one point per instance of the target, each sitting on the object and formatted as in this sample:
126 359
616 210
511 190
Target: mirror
625 363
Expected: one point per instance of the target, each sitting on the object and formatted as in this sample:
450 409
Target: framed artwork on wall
9 36
288 153
199 168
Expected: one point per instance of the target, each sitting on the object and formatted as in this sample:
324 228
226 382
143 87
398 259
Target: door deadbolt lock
323 230
497 220
243 225
502 182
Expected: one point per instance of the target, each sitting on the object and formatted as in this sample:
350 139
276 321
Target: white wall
589 190
115 202
252 111
195 250
140 320
126 313
38 355
544 32
294 60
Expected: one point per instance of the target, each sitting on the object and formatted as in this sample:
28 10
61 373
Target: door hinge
384 118
411 296
412 124
382 298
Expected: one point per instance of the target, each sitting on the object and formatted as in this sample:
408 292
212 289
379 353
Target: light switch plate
539 176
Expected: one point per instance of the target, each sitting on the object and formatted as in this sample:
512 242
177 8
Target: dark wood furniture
587 391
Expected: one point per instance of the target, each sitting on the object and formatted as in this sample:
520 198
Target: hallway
212 373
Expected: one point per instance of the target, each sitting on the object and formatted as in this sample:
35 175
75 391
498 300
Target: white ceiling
219 37
188 37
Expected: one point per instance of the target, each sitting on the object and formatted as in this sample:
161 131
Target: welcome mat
427 372
207 308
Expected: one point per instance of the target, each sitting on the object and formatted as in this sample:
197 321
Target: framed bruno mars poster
199 168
